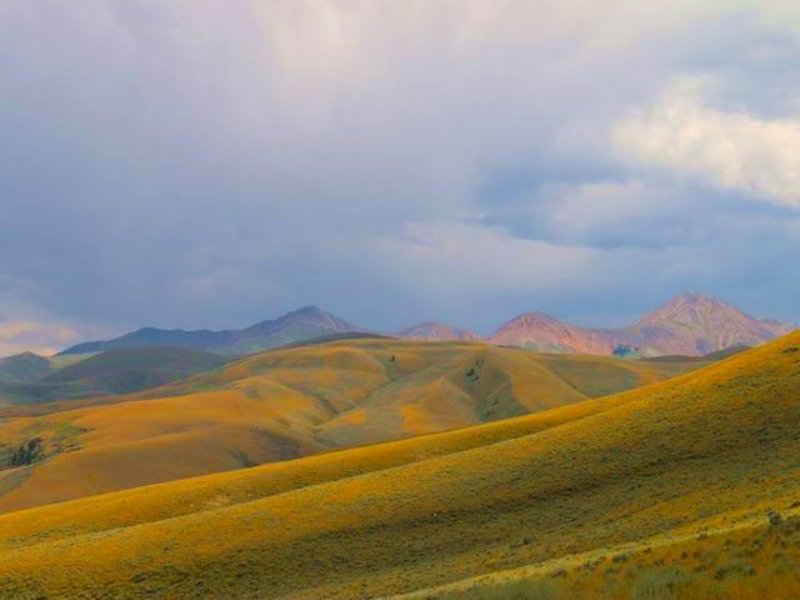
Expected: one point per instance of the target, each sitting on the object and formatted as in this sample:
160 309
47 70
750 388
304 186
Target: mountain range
300 325
690 324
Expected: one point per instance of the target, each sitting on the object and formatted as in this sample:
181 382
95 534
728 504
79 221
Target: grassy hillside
24 367
113 372
750 558
286 404
634 495
29 367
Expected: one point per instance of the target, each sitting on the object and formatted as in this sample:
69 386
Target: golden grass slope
749 558
592 498
291 403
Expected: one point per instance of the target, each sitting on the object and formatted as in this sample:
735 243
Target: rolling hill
687 488
288 403
689 324
24 367
114 372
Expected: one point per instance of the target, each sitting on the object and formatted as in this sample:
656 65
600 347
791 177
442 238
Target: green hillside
113 372
24 367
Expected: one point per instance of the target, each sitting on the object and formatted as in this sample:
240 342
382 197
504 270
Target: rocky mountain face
695 324
690 324
542 332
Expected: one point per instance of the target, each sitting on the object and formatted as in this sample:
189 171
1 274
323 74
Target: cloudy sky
207 163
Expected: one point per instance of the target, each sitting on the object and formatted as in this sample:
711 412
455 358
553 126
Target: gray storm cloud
207 164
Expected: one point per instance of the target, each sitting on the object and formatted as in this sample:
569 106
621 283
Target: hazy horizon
597 324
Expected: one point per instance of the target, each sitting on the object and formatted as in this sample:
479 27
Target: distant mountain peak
311 309
691 323
313 315
694 307
433 331
695 299
545 332
299 325
695 295
535 317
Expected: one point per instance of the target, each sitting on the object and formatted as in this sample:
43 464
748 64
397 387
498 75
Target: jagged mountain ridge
689 324
303 324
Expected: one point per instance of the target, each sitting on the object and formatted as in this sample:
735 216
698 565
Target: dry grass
627 496
296 402
752 559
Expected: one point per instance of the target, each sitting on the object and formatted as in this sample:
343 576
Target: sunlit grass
292 403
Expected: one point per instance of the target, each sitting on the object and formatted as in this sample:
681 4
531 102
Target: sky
210 164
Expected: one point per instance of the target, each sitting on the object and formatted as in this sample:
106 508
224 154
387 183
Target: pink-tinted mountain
690 324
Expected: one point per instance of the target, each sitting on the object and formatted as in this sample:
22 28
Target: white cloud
24 328
457 259
618 213
197 164
684 137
